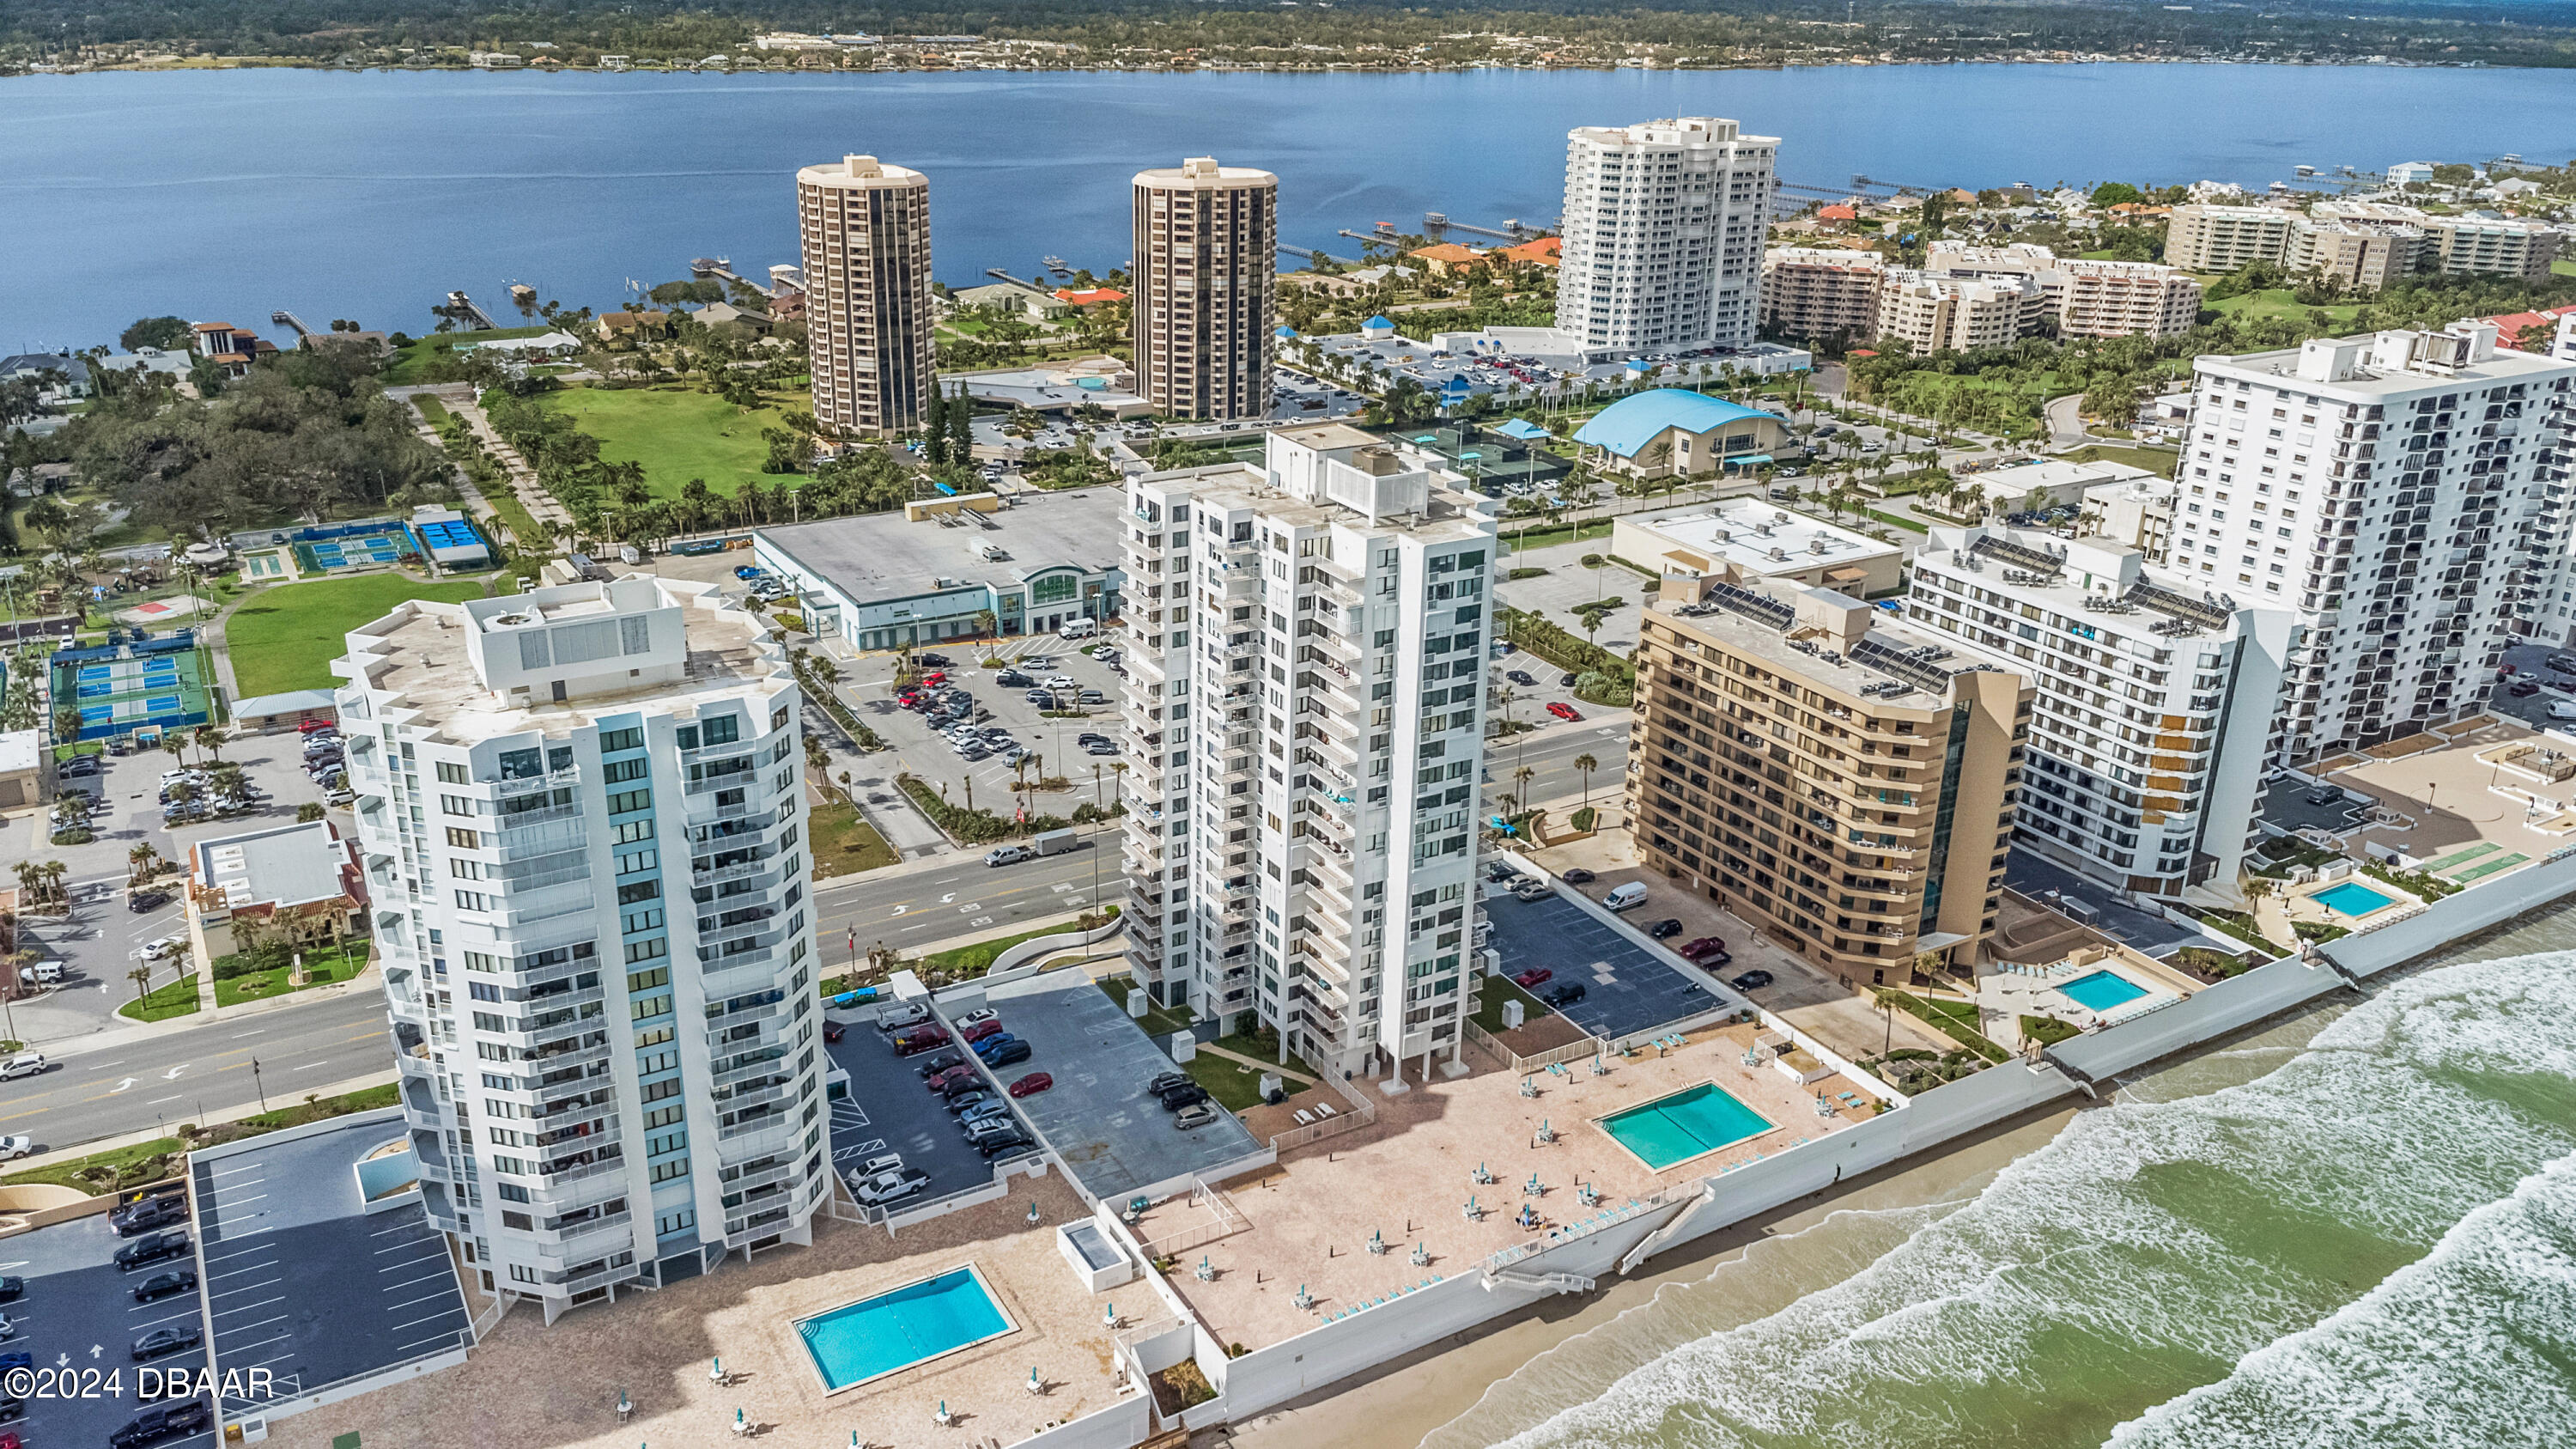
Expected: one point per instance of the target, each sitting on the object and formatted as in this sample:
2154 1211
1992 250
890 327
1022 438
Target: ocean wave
2148 1249
2466 1349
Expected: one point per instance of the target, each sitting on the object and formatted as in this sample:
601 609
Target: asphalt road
181 1075
962 896
1551 753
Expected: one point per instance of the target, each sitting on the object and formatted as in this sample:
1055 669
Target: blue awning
1747 459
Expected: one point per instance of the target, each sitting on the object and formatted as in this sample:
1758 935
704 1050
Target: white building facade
581 814
1664 225
2148 741
2391 490
1305 710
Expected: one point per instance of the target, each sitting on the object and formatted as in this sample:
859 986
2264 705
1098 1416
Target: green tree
170 334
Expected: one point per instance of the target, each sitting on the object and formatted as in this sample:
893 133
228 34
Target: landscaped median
142 1162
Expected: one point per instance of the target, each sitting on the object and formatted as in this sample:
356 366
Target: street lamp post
257 1085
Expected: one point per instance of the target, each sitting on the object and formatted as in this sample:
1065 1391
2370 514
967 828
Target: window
647 980
620 771
652 950
722 729
451 773
677 1221
662 1142
655 1037
665 1171
473 901
625 802
611 741
663 1116
640 891
635 860
521 1272
632 831
521 764
636 922
645 1007
455 805
464 839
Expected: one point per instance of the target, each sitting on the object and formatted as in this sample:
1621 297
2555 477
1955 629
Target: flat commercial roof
301 1279
886 556
287 865
1745 531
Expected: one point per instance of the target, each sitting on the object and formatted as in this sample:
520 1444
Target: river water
2356 1230
230 194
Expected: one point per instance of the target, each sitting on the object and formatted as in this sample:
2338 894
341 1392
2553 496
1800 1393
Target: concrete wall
1122 1425
2452 917
2263 992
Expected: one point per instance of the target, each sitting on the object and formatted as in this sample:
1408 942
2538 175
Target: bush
72 837
2045 1030
1595 687
1524 573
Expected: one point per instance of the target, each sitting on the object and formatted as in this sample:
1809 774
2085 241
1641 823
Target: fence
1359 1113
1229 1221
1580 1049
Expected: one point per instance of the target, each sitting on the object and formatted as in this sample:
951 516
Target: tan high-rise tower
1207 242
866 232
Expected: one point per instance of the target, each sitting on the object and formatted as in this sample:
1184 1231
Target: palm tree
54 871
141 976
30 879
211 740
1585 764
1503 697
175 745
1520 785
144 860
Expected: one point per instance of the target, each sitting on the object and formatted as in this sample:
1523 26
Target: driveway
867 686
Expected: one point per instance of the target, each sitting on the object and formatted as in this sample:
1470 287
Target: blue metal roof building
1671 430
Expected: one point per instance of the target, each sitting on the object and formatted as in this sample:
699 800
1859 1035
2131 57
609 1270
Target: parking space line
263 1323
446 1337
413 1263
247 1307
249 1287
432 1318
398 1247
424 1298
407 1282
245 1167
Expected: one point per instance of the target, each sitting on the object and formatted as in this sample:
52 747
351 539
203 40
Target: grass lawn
972 960
531 535
326 965
1234 1085
2155 460
2564 266
1956 1020
176 999
408 361
2279 302
676 432
844 844
1544 536
1492 992
287 637
1158 1020
432 409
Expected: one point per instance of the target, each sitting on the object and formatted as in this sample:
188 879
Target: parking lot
1097 1117
1627 987
79 1312
889 1110
1052 742
2530 665
301 1280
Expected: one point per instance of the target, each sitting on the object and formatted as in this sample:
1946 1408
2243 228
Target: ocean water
2357 1230
231 194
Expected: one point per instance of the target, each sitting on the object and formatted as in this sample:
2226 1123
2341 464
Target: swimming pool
1684 1125
913 1324
2102 990
2351 898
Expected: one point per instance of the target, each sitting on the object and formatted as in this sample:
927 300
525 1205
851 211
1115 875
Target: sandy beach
1754 1268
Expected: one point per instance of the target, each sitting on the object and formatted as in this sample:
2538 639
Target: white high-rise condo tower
581 812
2395 492
1663 227
1305 706
865 226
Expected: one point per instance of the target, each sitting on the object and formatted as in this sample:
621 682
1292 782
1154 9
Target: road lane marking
157 1101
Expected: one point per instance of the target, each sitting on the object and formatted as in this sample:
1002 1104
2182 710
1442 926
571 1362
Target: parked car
1032 1084
979 1031
1532 977
1182 1096
919 1040
1577 876
1565 681
902 1016
887 1187
1040 697
173 1339
24 1064
165 1420
979 1016
1166 1082
1531 888
935 661
747 572
1521 676
1564 993
162 1285
165 947
12 1288
964 1102
1751 981
1665 929
946 1061
1008 1139
149 1215
1011 679
1061 681
989 1110
1007 855
1564 711
1194 1116
1500 872
949 1076
313 726
1011 1052
2524 689
1699 946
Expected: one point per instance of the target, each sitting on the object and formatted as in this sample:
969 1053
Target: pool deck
1308 1220
529 1384
2474 800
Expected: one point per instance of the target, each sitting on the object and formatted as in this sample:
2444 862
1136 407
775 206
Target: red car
920 1039
1702 946
1532 977
943 1081
1031 1085
316 726
934 679
832 1031
981 1030
1564 711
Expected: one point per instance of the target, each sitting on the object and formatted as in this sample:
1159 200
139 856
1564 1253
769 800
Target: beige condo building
1846 784
1207 239
2209 238
2087 297
865 228
1933 312
1813 293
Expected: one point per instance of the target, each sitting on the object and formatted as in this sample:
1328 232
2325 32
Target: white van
1622 897
1080 629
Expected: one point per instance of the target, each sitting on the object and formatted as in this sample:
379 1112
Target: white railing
1360 1112
1229 1220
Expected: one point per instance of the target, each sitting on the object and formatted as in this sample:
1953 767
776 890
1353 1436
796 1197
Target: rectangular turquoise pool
912 1324
2351 898
2102 990
1684 1125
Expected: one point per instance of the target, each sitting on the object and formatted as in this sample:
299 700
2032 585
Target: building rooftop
886 556
1832 641
286 866
2022 479
424 656
1757 538
2389 363
1634 421
2092 578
